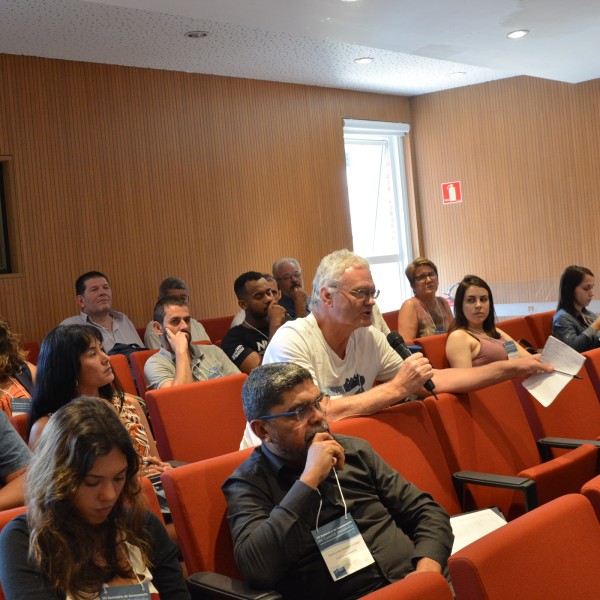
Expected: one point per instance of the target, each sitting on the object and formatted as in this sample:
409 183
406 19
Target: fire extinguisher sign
451 192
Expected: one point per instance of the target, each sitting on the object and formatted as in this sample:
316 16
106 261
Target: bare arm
36 432
13 492
408 326
409 379
183 368
251 362
467 380
460 348
299 296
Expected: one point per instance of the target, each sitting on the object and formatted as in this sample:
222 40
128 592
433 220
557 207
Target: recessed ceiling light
364 60
195 35
519 33
348 0
458 74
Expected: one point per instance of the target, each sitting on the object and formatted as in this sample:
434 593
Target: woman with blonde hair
86 530
424 314
17 376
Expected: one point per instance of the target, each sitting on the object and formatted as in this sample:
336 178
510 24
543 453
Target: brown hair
414 265
62 546
12 355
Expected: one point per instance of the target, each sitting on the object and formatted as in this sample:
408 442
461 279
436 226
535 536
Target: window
378 204
5 266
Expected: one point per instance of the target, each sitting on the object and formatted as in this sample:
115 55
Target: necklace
436 325
257 330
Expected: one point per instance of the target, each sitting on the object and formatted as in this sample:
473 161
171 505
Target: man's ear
80 301
157 327
258 428
242 304
326 297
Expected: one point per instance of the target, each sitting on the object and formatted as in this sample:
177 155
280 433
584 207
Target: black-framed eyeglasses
289 276
431 275
302 412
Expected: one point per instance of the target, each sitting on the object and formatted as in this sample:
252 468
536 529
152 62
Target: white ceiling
417 45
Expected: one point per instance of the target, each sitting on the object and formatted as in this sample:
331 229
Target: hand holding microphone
396 341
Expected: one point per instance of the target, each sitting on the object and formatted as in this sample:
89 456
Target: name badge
342 547
511 349
134 591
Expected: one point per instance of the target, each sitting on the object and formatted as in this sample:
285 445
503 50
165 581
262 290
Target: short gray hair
331 270
266 385
278 263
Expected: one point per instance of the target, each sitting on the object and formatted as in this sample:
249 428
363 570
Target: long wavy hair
58 368
62 546
460 320
572 276
12 356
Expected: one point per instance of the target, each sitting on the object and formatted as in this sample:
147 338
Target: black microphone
396 341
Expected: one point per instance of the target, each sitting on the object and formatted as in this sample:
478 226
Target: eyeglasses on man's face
302 412
424 276
290 276
363 293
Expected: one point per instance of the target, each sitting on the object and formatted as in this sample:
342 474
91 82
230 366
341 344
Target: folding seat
198 420
420 586
551 553
592 368
199 510
138 360
541 326
575 413
434 348
405 438
487 432
217 327
518 329
391 319
120 367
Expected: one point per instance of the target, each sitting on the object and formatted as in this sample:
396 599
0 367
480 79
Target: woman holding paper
474 339
573 323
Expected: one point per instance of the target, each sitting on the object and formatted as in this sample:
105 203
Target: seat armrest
521 484
546 444
206 585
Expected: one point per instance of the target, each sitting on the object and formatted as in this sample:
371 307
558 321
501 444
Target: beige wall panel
144 174
526 151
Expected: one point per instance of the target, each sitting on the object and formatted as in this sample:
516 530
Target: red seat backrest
217 327
120 366
405 438
138 360
198 420
527 558
434 348
541 326
199 510
518 329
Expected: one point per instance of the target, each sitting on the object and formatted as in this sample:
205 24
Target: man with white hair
288 274
345 355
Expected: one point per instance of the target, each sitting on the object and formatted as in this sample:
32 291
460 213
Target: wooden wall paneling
519 148
144 174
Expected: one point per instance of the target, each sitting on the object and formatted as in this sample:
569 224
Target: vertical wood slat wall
527 153
144 174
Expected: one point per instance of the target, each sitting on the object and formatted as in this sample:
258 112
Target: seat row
534 328
410 439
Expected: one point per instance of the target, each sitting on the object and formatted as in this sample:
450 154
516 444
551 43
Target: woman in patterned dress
71 364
